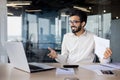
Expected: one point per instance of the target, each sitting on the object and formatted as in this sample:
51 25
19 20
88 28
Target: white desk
80 73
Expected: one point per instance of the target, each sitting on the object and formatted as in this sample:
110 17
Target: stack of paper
65 71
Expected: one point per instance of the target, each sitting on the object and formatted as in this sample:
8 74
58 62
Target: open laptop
17 57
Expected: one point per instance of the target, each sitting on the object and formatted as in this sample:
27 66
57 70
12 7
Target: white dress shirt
78 49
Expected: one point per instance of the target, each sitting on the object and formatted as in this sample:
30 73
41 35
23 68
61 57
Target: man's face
75 24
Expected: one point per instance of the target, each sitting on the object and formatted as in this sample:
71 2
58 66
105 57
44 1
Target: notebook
18 59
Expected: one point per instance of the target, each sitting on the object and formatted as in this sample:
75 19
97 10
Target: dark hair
81 14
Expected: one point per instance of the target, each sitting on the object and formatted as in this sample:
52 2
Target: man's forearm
61 59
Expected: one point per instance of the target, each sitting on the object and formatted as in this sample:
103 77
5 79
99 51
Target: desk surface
80 73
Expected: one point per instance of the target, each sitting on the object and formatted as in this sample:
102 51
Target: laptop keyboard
32 67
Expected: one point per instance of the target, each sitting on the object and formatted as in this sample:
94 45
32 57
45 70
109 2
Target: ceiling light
18 3
33 10
104 11
81 8
117 17
90 8
17 6
10 14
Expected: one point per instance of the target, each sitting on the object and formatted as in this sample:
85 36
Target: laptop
18 59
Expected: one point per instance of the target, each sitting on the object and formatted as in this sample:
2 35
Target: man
78 46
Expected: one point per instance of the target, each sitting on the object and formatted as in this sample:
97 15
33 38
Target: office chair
96 59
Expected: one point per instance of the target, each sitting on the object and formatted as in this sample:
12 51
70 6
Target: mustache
73 27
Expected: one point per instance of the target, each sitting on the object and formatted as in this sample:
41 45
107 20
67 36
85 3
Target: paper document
65 71
97 68
100 46
115 65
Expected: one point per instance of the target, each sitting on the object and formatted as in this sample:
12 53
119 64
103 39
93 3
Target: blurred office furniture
36 54
80 73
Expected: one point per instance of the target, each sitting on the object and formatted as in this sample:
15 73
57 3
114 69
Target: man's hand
107 53
52 53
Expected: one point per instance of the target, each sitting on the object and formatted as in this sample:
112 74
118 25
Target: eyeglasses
74 21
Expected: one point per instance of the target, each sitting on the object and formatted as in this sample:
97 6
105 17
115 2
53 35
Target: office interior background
40 24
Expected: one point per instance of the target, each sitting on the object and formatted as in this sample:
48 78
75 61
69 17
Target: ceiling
94 6
54 4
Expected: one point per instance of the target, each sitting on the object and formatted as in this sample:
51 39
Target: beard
76 29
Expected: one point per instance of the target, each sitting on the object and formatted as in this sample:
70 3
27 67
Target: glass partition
39 30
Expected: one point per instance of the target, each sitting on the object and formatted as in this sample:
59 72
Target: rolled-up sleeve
62 58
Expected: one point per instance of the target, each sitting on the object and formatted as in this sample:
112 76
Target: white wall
3 30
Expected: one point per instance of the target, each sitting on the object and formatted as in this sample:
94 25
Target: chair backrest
96 59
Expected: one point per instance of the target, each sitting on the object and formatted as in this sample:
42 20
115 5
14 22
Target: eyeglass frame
74 21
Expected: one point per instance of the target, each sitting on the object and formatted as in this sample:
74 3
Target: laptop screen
17 55
18 58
